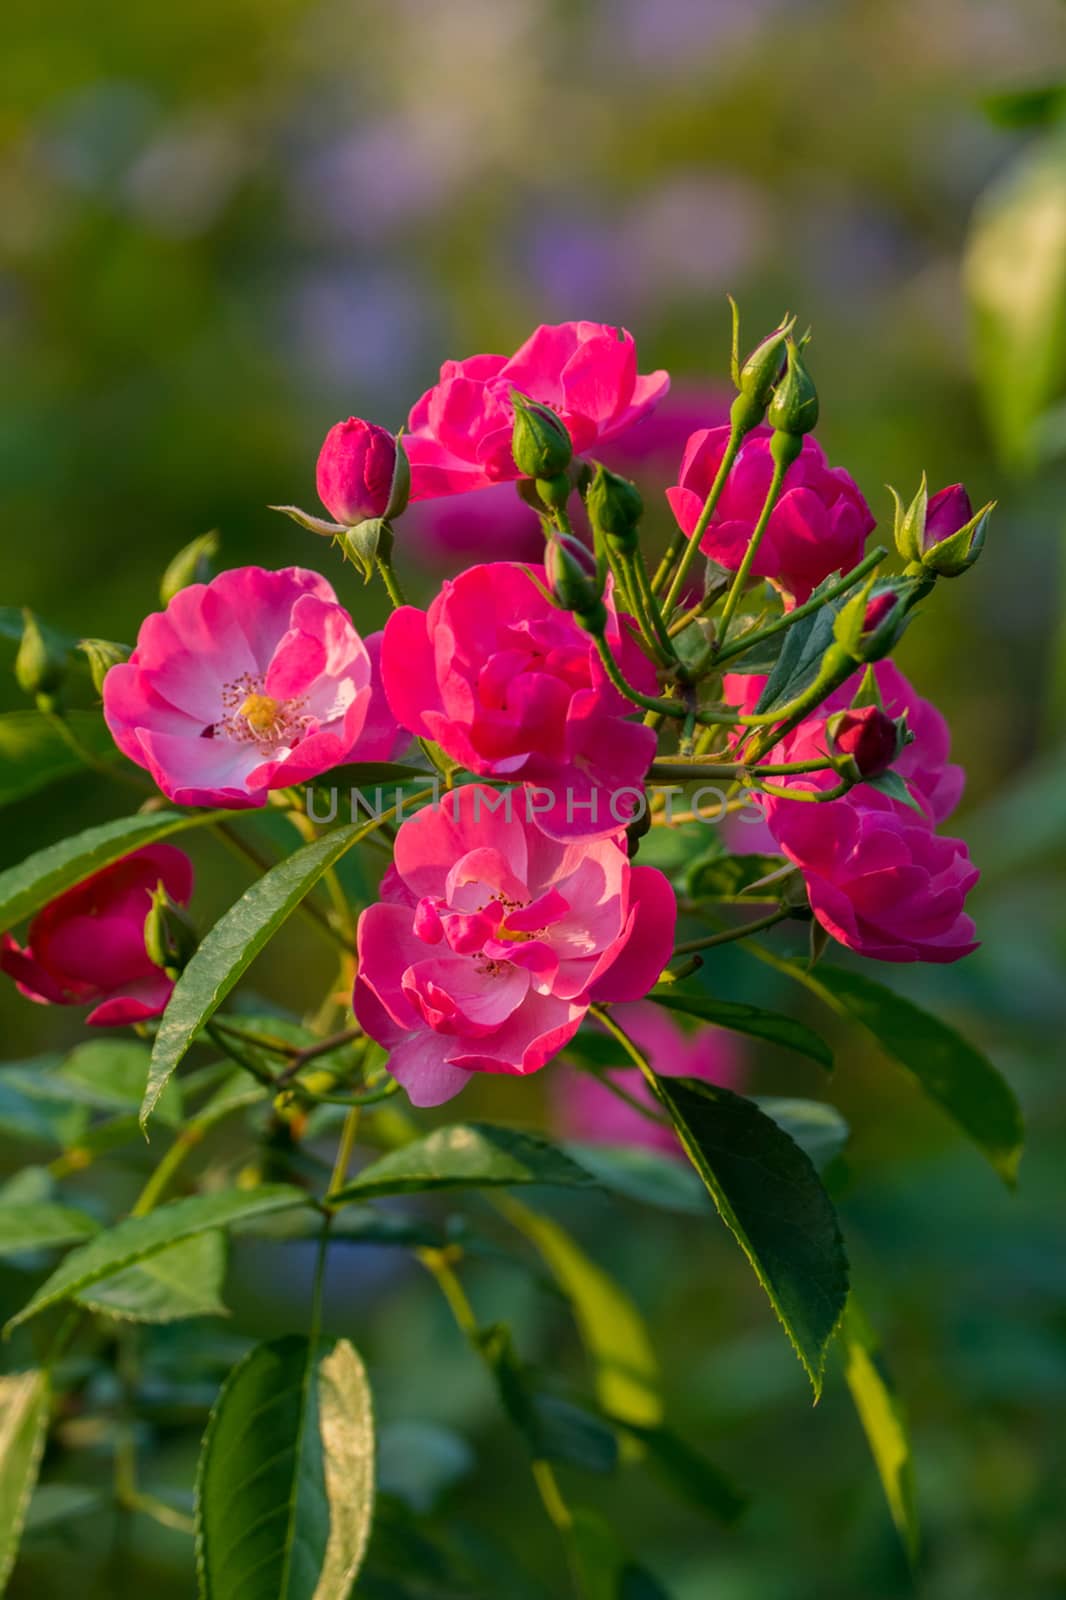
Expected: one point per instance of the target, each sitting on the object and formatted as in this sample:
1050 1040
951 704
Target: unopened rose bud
102 655
169 937
954 535
540 442
355 471
40 667
869 625
867 737
794 407
575 581
615 508
761 371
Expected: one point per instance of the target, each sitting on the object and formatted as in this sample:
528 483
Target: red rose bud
355 472
877 610
866 736
869 625
954 536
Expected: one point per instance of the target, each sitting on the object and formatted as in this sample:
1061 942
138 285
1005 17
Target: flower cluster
553 697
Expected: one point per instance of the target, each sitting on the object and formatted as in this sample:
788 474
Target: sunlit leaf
881 1415
24 1398
285 1489
466 1155
184 1280
136 1238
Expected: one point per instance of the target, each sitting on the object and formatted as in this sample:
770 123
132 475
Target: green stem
640 585
732 599
848 581
691 550
663 707
344 1153
730 935
389 579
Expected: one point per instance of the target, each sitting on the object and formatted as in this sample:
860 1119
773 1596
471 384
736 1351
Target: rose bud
355 472
40 667
867 737
954 536
576 581
615 508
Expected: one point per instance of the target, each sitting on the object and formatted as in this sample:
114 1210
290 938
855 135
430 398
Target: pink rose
587 1110
460 430
879 879
496 524
87 946
509 685
934 781
355 470
254 681
492 939
878 876
818 526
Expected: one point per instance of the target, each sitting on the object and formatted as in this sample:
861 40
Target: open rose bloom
255 681
493 939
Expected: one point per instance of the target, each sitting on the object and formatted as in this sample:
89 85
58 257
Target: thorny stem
691 550
732 599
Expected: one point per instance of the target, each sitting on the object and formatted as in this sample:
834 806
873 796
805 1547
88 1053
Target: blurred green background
222 226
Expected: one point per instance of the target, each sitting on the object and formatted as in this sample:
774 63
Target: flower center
261 713
252 717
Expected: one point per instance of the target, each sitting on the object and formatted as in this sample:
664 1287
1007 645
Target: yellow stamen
260 712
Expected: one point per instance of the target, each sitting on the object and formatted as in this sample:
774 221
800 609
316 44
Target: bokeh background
225 224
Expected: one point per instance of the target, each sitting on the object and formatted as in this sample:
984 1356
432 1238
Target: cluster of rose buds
569 689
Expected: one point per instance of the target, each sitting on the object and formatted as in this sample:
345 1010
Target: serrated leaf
883 1421
42 1226
691 1475
769 1195
284 1493
184 1280
27 887
230 948
33 753
619 1347
643 1175
24 1399
951 1070
817 1127
466 1155
136 1238
750 1020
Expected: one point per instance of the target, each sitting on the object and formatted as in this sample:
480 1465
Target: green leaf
553 1428
752 1020
42 1226
725 877
230 948
466 1155
801 655
33 753
25 1114
185 1280
950 1069
883 1421
284 1493
24 1398
136 1238
1015 275
817 1127
25 888
893 785
643 1175
691 1475
770 1197
625 1371
604 1570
